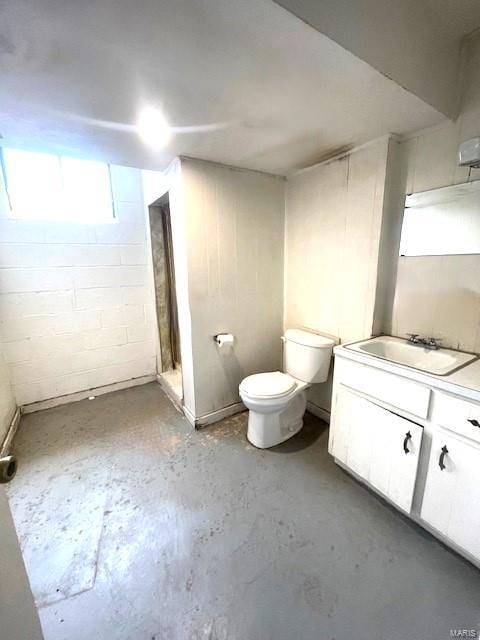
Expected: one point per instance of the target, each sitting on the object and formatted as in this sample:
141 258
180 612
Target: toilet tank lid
308 339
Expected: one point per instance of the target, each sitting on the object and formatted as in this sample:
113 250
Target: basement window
42 186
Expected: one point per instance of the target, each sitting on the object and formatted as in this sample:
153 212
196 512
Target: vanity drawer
456 414
388 388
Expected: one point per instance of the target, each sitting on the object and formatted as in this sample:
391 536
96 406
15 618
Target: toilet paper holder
223 338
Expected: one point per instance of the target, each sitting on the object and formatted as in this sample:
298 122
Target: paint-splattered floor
136 527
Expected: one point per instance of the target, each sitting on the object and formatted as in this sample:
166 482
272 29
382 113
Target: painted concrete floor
136 527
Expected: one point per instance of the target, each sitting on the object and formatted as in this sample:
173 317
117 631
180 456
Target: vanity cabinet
376 444
451 502
413 439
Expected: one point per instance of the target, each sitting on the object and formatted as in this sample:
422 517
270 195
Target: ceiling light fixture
153 128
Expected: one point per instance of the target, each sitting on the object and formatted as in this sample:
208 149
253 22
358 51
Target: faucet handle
412 336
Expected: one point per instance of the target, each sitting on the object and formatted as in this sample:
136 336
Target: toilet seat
273 384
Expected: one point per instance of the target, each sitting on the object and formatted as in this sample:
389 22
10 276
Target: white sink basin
440 362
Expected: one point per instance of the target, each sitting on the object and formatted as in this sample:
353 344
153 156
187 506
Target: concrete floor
136 527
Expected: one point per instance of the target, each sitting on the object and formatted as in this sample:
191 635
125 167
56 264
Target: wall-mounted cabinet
422 457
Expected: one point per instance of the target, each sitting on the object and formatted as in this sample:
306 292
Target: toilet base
266 430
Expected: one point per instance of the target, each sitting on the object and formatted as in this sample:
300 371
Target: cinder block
133 254
86 277
68 232
15 230
18 305
38 370
130 314
97 297
120 372
77 321
31 327
137 294
17 351
104 338
96 255
63 385
64 345
141 333
42 303
24 280
126 184
130 227
27 393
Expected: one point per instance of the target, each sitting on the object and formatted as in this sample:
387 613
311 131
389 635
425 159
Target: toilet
276 400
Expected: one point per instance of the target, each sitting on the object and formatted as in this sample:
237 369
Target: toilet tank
307 355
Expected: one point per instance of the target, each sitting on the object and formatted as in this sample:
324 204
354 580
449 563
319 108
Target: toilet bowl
277 401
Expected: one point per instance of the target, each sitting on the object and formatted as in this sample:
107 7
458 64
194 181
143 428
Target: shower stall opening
165 298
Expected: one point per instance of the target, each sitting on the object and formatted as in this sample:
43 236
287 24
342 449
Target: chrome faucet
427 343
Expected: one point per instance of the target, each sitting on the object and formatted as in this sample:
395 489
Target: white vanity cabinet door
451 502
351 431
397 449
369 440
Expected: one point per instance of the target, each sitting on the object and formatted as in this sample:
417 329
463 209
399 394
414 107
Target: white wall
333 228
440 295
76 302
7 399
18 615
234 229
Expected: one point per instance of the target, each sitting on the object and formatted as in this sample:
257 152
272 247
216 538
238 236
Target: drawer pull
475 423
408 436
442 457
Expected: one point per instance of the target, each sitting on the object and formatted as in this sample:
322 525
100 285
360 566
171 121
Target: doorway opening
166 298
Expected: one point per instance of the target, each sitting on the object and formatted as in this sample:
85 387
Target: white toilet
276 400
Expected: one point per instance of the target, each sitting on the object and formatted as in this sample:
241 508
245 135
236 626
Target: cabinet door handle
408 436
475 423
442 457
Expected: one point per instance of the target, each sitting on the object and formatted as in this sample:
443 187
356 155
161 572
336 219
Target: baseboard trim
323 414
214 416
189 416
10 435
82 395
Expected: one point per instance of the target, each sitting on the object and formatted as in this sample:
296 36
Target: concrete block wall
76 300
7 400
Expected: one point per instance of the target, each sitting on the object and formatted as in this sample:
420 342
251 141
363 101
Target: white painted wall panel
440 295
333 226
75 299
235 237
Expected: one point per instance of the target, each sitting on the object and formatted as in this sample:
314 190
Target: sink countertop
464 382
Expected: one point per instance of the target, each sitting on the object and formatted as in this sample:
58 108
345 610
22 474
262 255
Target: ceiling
284 94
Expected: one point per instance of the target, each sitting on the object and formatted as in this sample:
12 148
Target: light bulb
153 128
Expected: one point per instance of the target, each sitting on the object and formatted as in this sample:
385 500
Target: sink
439 362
